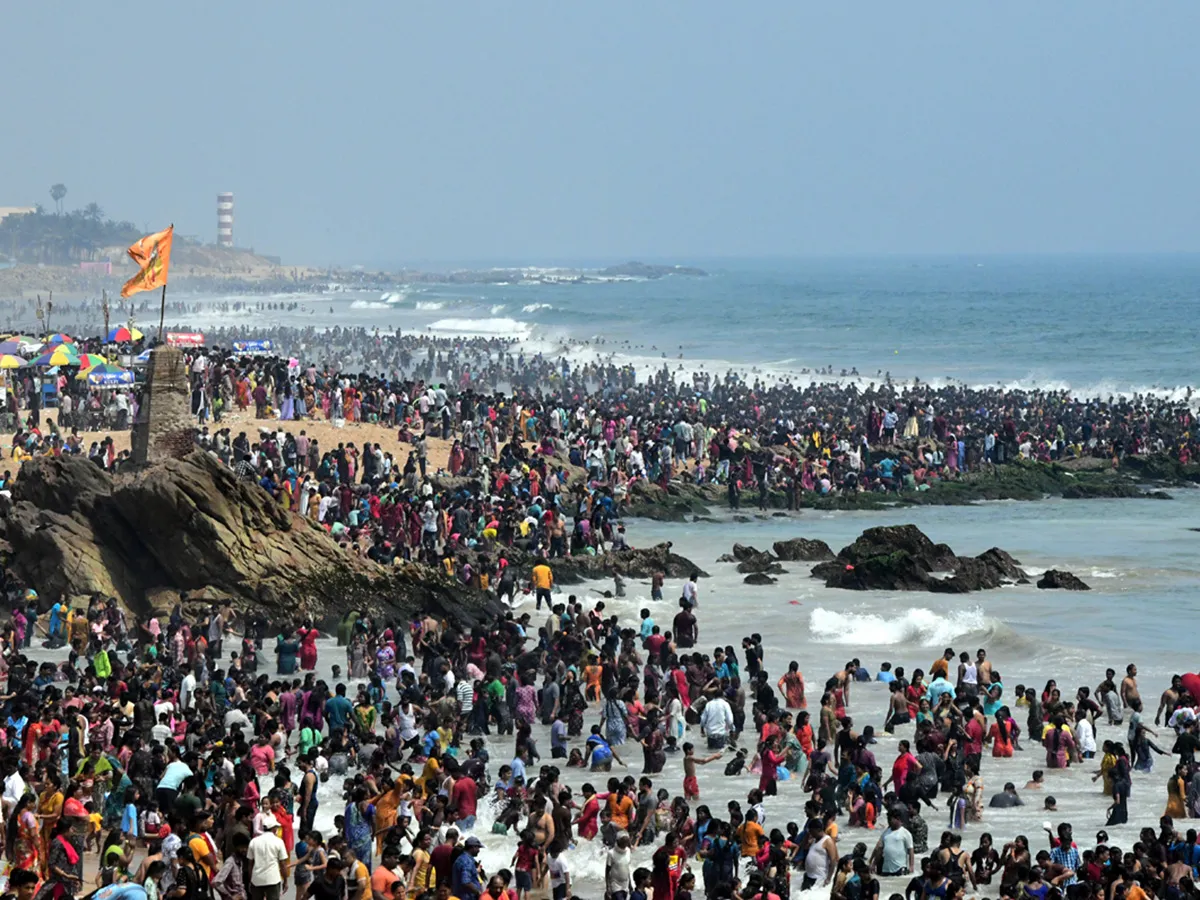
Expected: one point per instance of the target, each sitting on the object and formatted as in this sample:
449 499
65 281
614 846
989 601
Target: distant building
6 211
225 220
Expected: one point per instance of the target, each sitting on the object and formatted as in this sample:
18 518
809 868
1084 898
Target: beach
517 344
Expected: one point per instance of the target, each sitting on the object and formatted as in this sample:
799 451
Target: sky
387 133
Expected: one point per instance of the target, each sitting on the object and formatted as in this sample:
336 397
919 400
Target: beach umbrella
61 355
106 375
8 361
27 343
10 346
59 338
121 334
87 360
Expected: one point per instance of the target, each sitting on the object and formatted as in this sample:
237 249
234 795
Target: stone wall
165 427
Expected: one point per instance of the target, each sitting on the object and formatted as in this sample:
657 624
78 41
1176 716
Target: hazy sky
386 132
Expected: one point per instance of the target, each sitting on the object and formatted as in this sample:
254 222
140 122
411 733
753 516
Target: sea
1092 326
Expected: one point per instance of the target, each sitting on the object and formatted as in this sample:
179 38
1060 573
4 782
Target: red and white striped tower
224 220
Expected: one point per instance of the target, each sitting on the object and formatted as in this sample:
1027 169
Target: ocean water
1093 325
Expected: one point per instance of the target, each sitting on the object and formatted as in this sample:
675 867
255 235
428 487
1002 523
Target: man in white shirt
14 790
893 854
269 861
691 593
716 722
187 690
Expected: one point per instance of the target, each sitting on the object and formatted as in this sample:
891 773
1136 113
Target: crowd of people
191 757
171 754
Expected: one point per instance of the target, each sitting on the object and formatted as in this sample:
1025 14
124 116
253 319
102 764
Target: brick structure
165 427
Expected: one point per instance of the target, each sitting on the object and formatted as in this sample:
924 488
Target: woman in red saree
308 648
22 836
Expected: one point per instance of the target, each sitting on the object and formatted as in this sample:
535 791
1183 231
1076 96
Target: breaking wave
923 627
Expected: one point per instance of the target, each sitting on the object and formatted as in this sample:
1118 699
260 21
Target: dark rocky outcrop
189 530
758 578
802 550
1055 579
903 558
1087 490
641 563
677 503
760 562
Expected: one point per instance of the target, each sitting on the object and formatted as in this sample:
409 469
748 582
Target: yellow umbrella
8 361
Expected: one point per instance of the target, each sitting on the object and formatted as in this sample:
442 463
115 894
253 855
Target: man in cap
269 861
465 882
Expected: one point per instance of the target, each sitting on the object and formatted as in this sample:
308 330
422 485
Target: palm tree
93 213
57 192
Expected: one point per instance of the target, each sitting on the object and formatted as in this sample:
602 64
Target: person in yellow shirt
750 835
543 580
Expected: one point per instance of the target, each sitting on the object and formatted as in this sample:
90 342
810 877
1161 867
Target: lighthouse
224 220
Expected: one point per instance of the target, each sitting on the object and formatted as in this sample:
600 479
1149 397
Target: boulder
641 563
741 552
759 578
802 550
1054 579
189 529
760 562
903 558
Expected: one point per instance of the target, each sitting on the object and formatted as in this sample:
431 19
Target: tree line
62 238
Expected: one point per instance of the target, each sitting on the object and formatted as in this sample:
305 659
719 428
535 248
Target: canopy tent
106 375
255 346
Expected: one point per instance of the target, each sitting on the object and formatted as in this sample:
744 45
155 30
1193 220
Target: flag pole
162 312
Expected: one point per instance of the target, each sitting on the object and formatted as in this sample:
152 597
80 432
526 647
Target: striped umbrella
121 335
87 360
59 338
62 355
11 346
8 361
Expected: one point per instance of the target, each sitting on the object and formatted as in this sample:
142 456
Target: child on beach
691 787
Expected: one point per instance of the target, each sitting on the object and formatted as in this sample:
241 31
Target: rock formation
1056 579
802 550
902 558
641 563
188 529
760 578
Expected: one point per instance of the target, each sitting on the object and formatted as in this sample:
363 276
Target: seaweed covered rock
677 503
1096 490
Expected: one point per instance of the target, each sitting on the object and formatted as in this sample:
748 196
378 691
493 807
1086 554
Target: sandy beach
325 432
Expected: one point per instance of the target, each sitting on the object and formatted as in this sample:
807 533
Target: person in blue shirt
464 877
647 625
885 673
338 709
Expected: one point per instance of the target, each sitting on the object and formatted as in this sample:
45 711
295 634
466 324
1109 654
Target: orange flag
153 256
